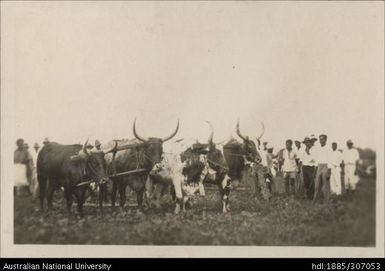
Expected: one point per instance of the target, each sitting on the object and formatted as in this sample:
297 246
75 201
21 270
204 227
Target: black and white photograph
192 128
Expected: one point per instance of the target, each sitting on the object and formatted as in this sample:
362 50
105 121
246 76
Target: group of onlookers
313 170
25 167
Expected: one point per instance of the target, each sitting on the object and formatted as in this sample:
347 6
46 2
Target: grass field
347 221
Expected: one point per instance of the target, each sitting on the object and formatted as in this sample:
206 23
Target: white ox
170 172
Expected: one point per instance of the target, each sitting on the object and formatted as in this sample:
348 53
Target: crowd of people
25 167
312 170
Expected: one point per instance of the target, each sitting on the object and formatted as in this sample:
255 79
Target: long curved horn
173 134
85 148
211 131
263 131
112 148
239 132
136 135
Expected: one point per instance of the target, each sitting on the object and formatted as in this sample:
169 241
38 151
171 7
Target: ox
140 153
206 164
170 171
67 166
244 157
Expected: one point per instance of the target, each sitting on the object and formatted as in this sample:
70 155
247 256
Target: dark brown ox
243 158
67 166
139 153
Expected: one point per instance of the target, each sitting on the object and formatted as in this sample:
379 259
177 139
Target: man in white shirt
263 154
289 168
351 158
34 183
308 167
322 178
298 146
335 178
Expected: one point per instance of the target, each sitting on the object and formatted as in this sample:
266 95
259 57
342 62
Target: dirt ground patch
347 221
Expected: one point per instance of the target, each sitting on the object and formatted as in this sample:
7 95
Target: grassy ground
347 221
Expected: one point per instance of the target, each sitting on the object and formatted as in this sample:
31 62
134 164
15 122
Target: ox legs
50 190
42 189
113 193
68 195
139 198
225 194
122 194
102 193
80 194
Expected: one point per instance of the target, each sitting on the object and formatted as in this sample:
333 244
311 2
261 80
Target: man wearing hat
323 172
97 145
46 141
350 159
89 147
308 167
313 139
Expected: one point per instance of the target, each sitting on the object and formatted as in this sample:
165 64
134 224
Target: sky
73 70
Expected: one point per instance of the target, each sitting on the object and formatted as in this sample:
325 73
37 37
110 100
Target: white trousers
335 180
350 179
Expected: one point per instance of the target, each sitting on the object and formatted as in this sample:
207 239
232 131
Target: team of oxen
141 164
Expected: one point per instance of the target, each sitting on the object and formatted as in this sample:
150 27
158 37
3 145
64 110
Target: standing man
298 180
21 160
271 172
97 145
289 168
351 158
335 178
263 154
46 141
313 139
270 160
34 183
297 145
308 167
29 167
35 152
322 178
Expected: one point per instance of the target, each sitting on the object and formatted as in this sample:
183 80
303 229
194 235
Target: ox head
153 147
201 148
93 162
249 148
196 155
